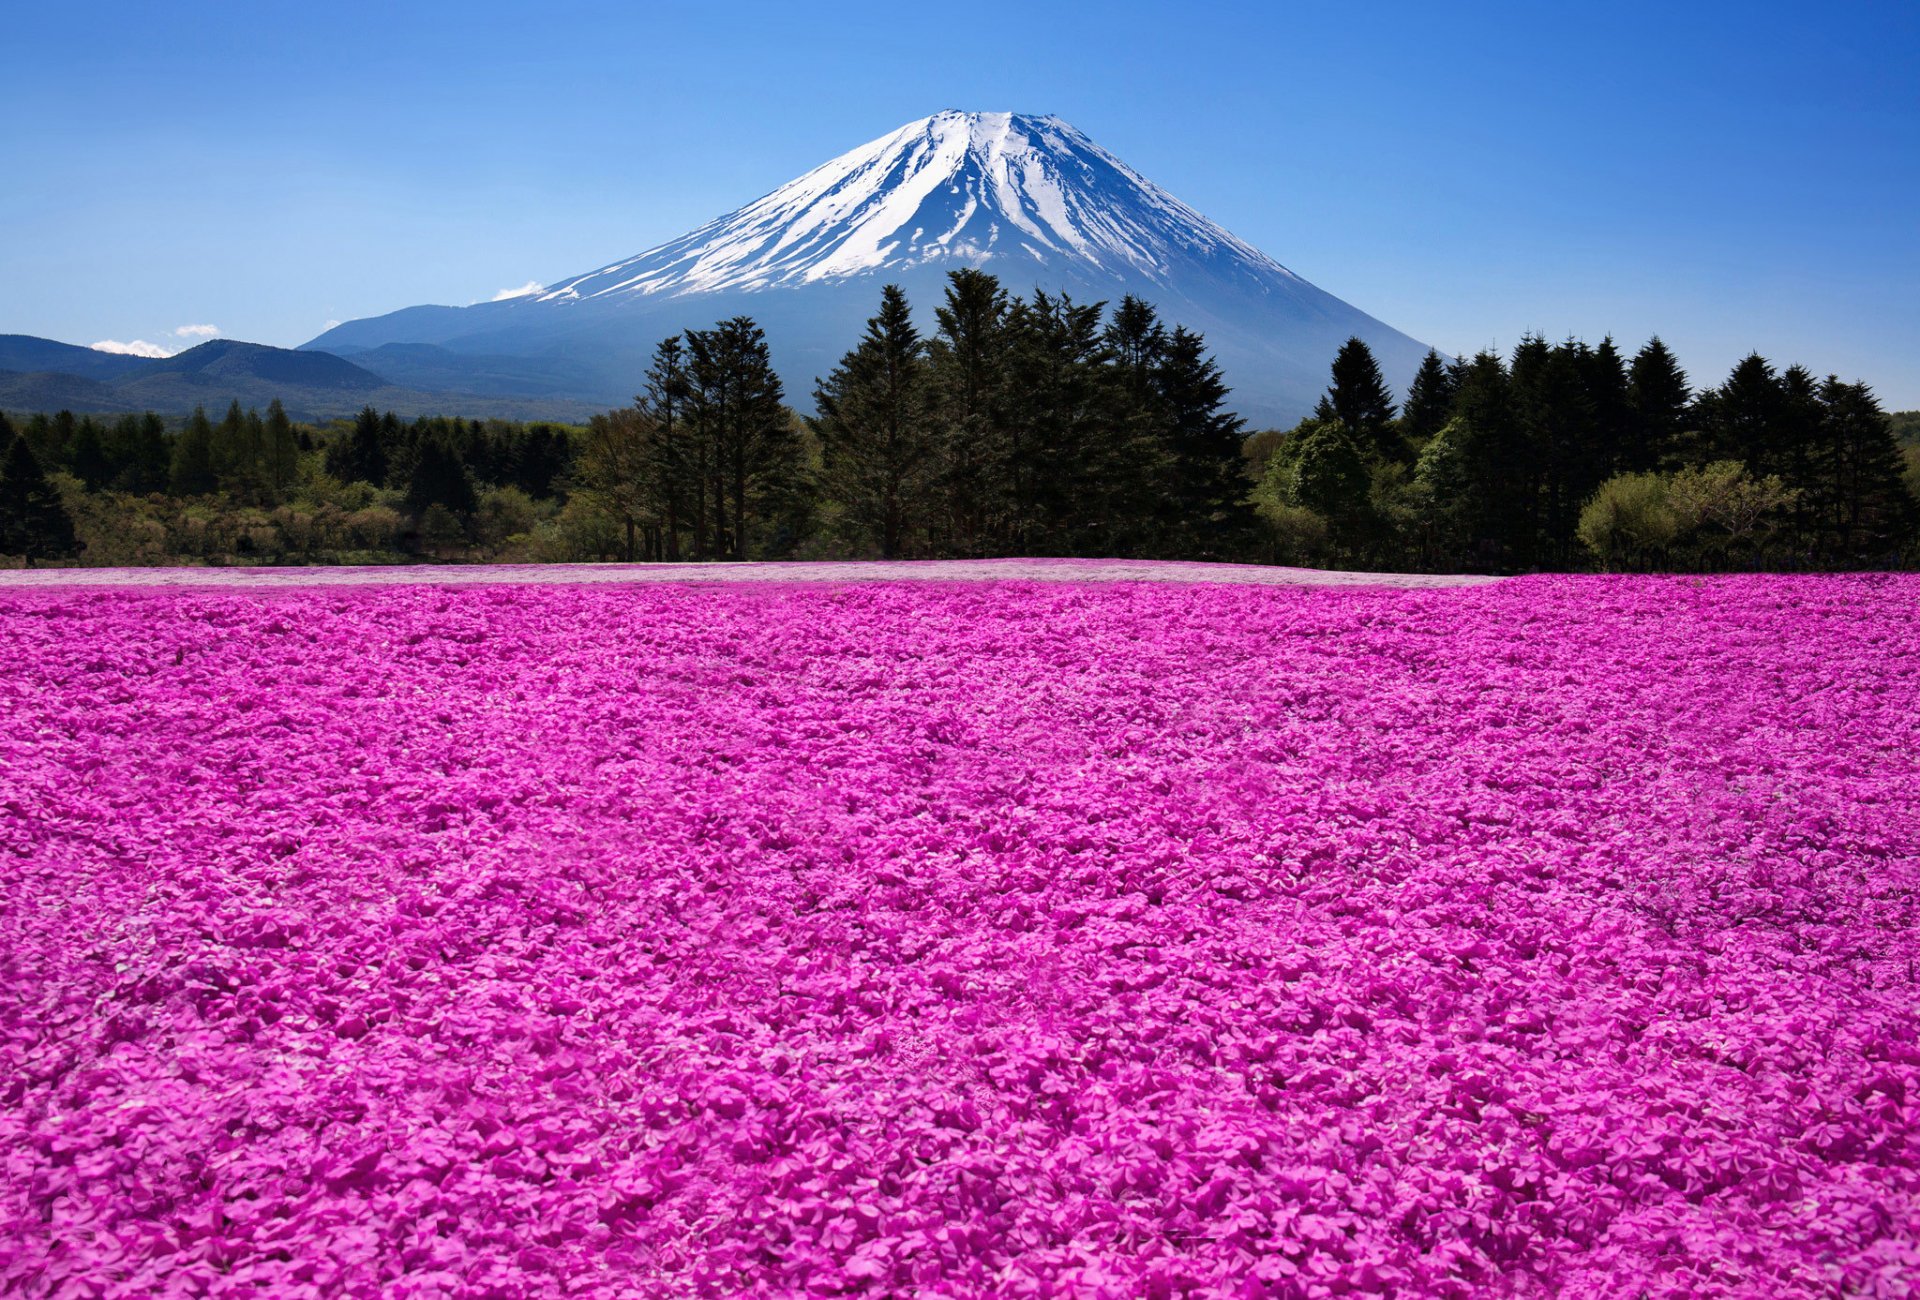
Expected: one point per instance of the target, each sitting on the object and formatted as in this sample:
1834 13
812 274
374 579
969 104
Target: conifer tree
1360 399
670 457
1208 489
440 478
280 449
1609 392
1861 485
751 446
193 472
89 459
967 374
1659 399
33 520
1741 420
1429 399
875 443
360 457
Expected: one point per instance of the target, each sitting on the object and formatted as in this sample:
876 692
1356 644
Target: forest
1020 426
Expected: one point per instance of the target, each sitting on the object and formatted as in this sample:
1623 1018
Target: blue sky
1732 176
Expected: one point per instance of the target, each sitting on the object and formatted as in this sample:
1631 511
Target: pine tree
1429 399
1360 399
1208 489
89 459
33 520
1741 420
1861 487
440 478
752 451
671 459
360 457
193 472
1659 400
967 372
875 443
1610 391
280 449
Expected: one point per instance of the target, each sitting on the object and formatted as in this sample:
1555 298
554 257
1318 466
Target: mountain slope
26 354
1029 199
311 385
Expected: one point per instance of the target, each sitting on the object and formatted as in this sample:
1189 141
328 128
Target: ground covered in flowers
1550 937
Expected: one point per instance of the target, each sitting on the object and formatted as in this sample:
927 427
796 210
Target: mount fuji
1029 199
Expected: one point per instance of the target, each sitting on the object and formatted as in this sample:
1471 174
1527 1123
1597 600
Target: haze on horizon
1731 178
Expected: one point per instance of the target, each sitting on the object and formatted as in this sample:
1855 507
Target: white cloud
531 286
196 331
136 348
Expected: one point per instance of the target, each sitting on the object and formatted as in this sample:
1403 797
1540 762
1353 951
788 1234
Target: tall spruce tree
876 443
280 450
1660 400
361 456
440 478
753 451
33 520
1208 490
89 458
669 454
1869 512
1741 419
193 471
967 375
1429 399
1360 399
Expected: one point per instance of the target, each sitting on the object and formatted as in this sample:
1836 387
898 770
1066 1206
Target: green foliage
875 433
194 471
1360 400
1628 524
34 522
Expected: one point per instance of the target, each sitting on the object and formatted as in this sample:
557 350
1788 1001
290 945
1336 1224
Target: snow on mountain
1029 198
955 188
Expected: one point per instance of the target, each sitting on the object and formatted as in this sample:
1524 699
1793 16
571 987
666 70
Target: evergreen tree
1741 420
1659 400
1429 399
1360 399
1208 489
672 461
440 478
1609 391
140 453
1861 487
280 450
89 458
875 443
752 451
967 372
1079 472
360 457
33 520
192 472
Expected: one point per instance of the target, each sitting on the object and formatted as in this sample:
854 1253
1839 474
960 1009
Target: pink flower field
1552 937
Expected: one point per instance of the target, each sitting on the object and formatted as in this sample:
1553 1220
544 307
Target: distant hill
43 375
27 354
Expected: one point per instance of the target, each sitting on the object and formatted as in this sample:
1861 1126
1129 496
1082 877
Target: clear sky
1733 176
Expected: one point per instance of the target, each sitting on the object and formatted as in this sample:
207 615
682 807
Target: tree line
1018 426
1566 455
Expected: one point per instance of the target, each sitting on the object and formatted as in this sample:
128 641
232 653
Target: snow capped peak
954 189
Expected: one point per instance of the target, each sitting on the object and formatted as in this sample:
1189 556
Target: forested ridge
1019 426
